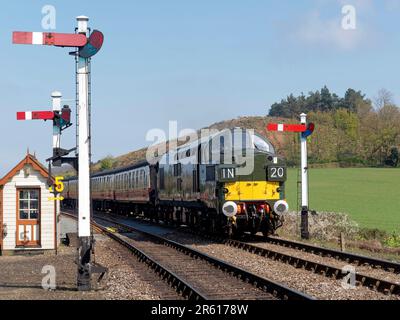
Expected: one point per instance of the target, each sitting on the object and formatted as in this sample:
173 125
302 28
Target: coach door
28 217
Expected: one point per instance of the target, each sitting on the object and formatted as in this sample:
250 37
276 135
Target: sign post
87 44
84 165
305 131
305 234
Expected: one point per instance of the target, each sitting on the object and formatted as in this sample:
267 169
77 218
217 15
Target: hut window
29 204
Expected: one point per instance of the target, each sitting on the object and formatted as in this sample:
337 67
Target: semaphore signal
87 44
305 131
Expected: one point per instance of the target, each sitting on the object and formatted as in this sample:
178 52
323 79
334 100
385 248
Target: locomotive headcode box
277 173
227 174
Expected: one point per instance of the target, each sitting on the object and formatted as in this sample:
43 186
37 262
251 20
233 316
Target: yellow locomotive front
254 201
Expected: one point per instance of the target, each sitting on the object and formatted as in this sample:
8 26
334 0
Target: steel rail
365 280
352 258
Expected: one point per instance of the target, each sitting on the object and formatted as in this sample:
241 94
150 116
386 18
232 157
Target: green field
370 196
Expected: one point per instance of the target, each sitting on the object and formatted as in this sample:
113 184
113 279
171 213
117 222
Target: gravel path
21 277
128 279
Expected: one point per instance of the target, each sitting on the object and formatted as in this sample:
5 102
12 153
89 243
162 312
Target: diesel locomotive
230 182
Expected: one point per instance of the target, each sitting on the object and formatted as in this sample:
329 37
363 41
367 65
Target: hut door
28 217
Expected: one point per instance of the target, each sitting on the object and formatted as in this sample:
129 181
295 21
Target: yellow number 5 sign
59 186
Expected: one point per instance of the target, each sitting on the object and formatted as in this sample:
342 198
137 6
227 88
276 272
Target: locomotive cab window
262 145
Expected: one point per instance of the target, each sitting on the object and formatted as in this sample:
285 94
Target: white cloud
315 30
360 5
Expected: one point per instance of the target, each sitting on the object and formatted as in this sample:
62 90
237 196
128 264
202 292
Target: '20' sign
277 173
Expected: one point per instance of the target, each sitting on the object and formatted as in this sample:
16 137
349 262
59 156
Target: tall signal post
87 44
84 142
305 234
305 131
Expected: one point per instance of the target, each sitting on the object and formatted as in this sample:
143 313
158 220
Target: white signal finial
303 118
56 96
82 24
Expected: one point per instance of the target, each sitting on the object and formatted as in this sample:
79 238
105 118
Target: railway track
352 258
327 270
371 282
193 274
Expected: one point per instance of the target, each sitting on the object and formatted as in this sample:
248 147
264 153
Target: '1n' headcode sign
226 174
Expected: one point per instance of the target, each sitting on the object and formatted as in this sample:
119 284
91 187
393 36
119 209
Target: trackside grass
370 196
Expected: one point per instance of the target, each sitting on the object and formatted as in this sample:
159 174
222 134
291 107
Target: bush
372 234
107 163
323 226
393 241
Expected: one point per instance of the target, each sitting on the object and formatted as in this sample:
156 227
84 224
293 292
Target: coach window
162 179
131 180
210 174
136 179
178 170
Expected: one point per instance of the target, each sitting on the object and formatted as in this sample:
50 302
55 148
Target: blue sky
196 62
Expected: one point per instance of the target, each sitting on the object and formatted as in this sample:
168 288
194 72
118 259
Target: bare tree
384 98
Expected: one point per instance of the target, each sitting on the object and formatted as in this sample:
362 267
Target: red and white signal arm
35 115
305 130
287 127
50 39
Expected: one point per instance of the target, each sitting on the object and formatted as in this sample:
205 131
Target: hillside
259 124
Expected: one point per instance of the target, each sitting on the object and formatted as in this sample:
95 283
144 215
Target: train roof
137 165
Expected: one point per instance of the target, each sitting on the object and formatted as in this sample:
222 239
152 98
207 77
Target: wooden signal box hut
28 214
